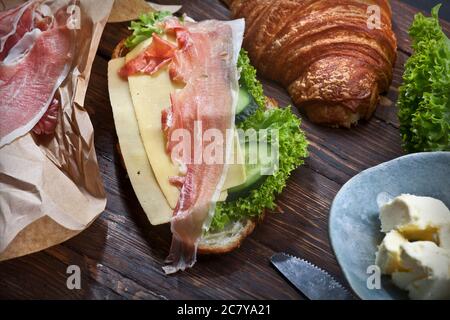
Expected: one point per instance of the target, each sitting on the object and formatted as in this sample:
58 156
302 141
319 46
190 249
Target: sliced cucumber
254 172
246 105
254 180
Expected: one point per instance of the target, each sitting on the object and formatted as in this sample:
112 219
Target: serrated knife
313 282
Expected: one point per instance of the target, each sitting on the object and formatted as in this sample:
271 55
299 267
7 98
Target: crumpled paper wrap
126 10
50 186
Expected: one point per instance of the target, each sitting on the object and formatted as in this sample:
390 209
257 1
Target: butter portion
388 255
425 258
431 288
417 218
404 279
444 237
416 248
429 271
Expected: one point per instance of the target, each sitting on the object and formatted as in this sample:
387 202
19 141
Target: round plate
354 225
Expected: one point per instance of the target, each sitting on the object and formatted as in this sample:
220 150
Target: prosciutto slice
157 54
49 120
14 23
206 64
37 60
204 61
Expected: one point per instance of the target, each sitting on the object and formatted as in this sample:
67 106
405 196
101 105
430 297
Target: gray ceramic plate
354 225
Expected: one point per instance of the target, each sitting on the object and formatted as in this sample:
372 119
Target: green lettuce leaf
248 79
292 151
424 98
145 27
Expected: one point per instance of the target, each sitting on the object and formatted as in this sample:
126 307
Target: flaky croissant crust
323 51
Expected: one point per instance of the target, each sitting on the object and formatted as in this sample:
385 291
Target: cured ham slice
17 22
157 54
30 74
206 63
14 23
204 60
49 120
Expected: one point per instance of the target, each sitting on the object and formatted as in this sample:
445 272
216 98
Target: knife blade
313 282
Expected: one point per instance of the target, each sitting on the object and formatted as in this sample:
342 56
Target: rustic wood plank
121 254
42 276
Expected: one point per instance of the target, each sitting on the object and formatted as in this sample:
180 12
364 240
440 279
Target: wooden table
121 254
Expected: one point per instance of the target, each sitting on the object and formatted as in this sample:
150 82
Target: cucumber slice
254 180
244 99
246 105
254 172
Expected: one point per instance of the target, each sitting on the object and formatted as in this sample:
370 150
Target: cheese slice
236 170
151 95
223 196
138 167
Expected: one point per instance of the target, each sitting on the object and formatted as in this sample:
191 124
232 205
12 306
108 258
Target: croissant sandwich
334 57
192 123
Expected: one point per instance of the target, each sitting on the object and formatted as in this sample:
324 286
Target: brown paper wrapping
126 10
50 187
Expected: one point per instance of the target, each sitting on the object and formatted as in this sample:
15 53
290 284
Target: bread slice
233 235
227 240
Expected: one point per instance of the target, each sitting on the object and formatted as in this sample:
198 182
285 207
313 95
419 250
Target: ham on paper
205 61
36 55
14 23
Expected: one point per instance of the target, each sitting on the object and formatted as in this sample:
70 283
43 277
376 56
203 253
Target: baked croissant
333 65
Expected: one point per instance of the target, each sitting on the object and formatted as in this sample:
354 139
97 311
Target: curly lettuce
248 79
292 151
145 27
424 98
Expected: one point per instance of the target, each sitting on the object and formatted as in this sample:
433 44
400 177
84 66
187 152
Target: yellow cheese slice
151 95
144 183
236 170
223 196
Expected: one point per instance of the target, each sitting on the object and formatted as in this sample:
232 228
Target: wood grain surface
121 254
